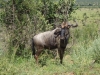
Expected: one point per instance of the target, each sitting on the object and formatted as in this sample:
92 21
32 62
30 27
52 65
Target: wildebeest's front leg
61 54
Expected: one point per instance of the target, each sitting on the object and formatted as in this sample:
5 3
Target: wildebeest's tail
32 46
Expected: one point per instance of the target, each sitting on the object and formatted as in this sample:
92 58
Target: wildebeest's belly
50 43
46 45
50 46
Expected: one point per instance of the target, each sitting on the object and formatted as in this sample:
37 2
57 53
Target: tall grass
96 50
85 58
82 57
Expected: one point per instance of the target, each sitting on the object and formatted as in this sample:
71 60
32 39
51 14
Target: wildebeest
57 38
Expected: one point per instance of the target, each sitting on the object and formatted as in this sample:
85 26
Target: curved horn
75 24
70 24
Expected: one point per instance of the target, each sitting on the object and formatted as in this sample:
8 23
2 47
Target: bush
23 19
96 50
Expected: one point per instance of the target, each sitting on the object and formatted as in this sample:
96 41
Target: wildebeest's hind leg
33 48
38 52
61 54
34 52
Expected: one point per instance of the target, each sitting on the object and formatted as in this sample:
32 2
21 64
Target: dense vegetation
26 18
29 17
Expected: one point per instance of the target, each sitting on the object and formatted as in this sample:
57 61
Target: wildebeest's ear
57 31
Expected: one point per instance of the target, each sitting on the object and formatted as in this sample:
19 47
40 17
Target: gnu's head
63 29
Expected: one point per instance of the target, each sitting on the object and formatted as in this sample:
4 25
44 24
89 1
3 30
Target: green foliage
87 33
2 3
55 11
24 18
96 50
82 52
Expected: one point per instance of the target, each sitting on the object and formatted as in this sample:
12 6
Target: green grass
81 59
92 15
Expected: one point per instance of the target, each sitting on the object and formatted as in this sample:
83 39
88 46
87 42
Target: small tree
24 18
